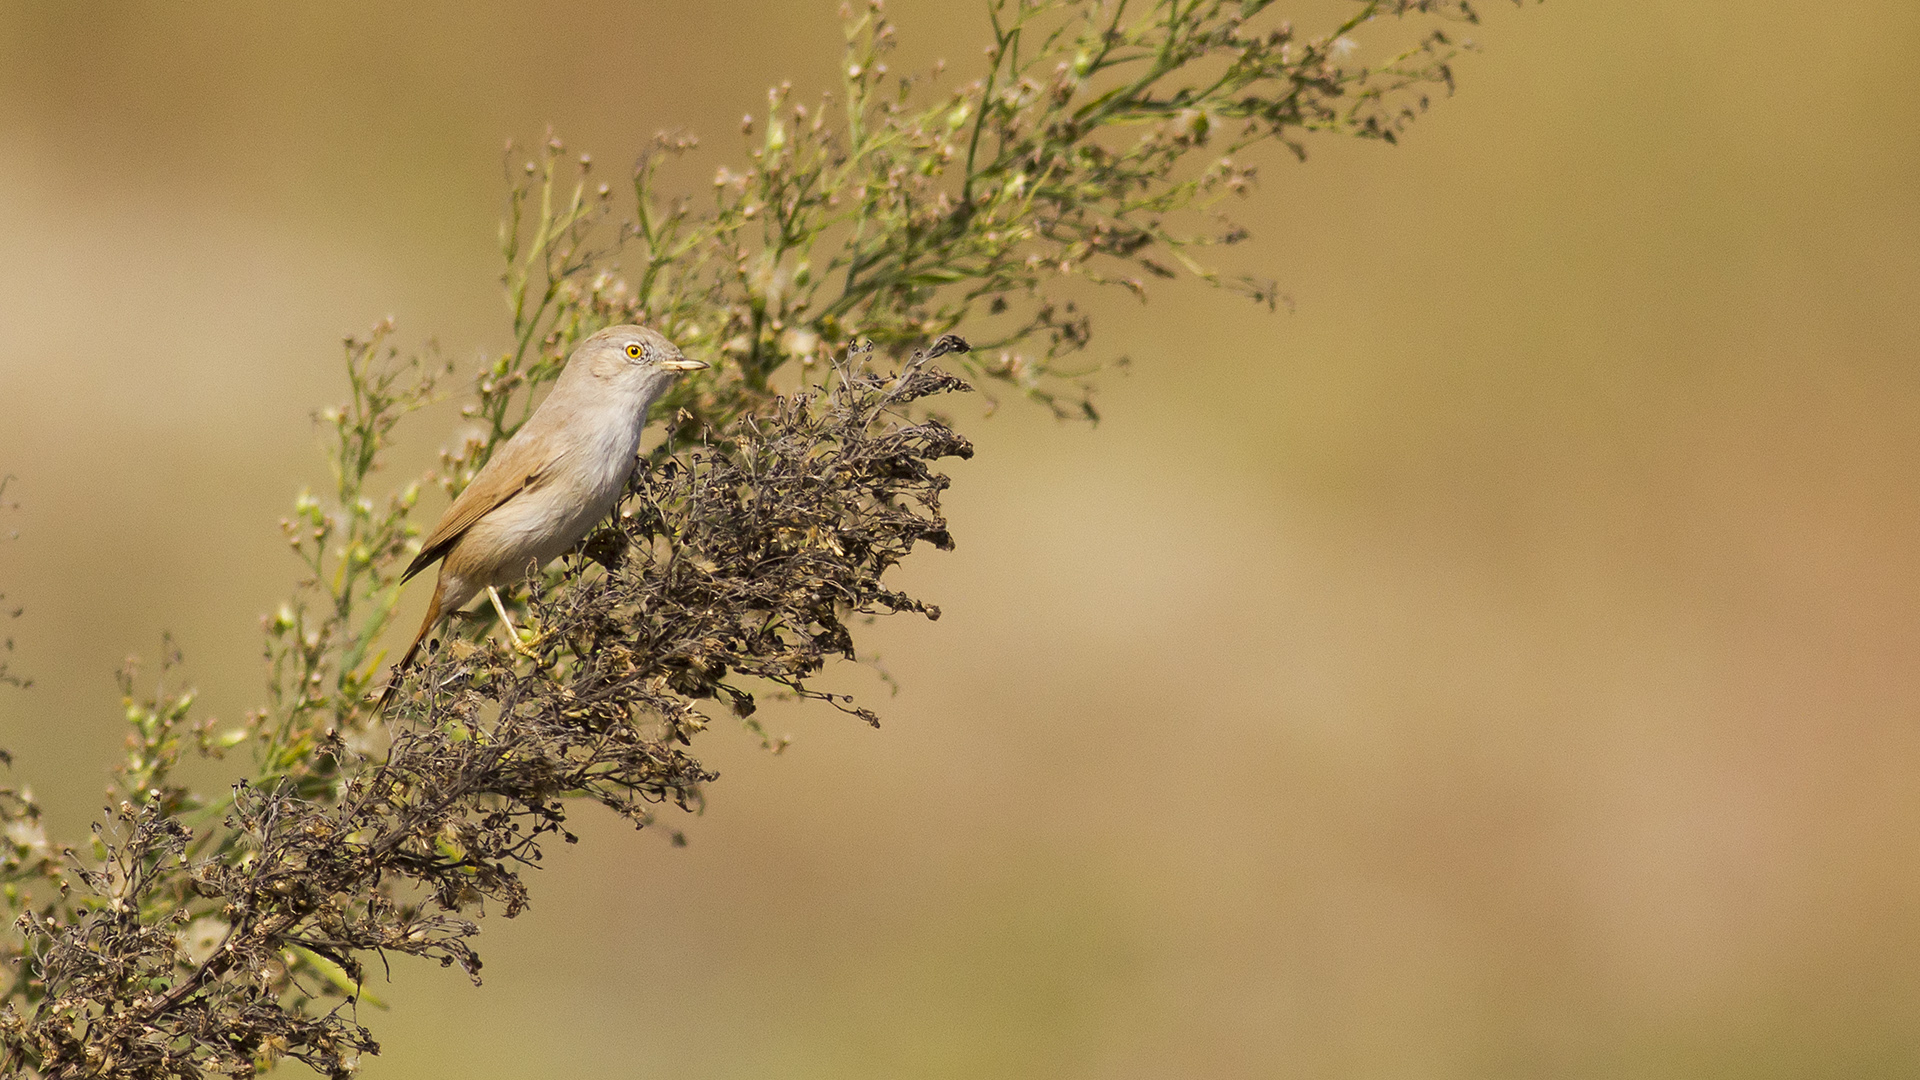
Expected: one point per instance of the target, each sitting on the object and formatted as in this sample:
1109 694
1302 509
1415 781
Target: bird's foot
523 647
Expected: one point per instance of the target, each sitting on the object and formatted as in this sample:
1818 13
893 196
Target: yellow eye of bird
633 351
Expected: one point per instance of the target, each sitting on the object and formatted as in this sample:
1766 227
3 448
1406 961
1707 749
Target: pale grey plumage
545 488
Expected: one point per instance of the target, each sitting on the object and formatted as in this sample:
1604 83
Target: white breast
573 495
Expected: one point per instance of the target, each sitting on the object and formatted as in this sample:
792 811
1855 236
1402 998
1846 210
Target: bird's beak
683 364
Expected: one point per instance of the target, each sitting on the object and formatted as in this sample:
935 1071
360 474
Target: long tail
426 627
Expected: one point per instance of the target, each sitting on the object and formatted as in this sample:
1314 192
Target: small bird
545 488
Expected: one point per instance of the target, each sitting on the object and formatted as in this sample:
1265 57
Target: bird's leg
513 635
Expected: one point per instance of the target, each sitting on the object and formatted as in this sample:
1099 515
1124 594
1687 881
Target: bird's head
636 359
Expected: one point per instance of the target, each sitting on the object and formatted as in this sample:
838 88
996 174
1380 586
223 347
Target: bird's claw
524 648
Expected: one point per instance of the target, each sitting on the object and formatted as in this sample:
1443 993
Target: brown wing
513 470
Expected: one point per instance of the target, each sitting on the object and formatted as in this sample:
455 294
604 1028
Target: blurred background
1502 666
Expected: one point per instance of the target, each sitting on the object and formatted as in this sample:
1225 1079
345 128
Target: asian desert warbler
553 481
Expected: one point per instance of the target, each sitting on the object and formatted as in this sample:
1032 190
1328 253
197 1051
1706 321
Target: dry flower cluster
737 567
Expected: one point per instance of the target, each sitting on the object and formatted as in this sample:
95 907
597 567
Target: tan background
1504 666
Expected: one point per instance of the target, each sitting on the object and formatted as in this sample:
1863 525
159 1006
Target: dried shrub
744 558
218 935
